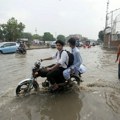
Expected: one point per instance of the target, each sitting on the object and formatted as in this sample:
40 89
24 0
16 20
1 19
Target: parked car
8 47
53 44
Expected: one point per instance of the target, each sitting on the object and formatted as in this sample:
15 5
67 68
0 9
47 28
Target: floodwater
97 98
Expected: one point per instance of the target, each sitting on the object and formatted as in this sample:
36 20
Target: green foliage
61 37
27 35
12 30
48 37
101 35
1 33
36 36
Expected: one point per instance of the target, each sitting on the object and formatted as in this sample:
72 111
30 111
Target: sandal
70 84
55 87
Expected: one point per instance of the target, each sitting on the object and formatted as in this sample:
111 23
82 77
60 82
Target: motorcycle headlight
37 64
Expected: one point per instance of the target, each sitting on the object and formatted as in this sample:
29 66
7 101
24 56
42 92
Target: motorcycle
25 86
21 51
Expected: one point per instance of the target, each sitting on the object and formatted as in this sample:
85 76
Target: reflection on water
62 107
66 106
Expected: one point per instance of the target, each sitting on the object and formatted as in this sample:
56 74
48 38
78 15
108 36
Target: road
97 98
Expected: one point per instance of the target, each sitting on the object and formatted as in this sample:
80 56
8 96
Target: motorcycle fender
25 80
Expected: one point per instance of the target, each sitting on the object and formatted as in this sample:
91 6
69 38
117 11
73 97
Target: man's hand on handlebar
41 60
48 69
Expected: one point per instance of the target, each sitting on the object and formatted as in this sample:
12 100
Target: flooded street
97 98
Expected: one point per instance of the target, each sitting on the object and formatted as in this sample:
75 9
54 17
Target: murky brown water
97 98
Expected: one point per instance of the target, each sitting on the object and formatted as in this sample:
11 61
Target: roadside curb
32 48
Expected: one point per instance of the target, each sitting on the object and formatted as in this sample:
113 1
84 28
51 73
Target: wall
110 44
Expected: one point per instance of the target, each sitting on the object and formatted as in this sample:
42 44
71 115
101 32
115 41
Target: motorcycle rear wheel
76 79
24 88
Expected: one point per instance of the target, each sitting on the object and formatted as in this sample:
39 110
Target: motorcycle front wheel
24 88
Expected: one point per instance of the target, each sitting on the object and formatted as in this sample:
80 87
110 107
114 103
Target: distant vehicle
79 44
53 44
8 47
92 43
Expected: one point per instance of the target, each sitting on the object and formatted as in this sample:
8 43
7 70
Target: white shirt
61 59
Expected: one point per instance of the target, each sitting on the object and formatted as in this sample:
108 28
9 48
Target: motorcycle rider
77 64
55 72
22 47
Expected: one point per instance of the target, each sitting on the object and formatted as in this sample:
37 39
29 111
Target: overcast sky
85 17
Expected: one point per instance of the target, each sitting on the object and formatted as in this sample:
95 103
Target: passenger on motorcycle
55 72
77 66
22 47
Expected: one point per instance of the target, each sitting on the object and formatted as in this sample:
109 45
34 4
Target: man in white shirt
55 72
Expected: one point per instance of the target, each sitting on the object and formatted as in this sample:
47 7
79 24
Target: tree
12 30
36 36
61 37
48 37
27 35
101 35
1 33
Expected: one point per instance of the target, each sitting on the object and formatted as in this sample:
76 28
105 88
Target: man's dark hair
60 42
72 41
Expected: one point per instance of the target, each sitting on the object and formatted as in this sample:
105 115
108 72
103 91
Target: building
111 40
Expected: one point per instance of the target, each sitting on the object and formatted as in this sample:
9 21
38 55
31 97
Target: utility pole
106 20
111 25
106 24
36 30
56 35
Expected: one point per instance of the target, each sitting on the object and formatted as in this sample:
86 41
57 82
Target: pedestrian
118 60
